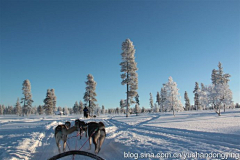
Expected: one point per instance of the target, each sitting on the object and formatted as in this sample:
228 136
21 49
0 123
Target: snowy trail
140 137
134 137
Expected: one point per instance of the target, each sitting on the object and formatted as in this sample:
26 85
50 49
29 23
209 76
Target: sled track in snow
139 138
165 139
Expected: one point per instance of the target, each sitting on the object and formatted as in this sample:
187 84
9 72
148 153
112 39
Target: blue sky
55 44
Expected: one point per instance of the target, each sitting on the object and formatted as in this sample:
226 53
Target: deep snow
188 134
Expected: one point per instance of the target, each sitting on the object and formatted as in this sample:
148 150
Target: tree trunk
219 112
127 112
173 106
127 101
224 107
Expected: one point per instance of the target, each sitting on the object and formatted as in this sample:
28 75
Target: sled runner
76 152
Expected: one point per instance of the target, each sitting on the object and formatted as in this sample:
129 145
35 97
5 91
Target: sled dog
61 133
97 133
82 126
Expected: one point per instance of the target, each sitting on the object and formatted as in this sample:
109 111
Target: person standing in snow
85 112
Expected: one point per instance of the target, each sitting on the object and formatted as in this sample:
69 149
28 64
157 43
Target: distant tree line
215 96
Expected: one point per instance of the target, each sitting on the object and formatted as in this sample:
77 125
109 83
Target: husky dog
97 133
61 132
82 126
68 124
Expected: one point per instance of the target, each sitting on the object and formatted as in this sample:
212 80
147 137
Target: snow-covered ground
188 134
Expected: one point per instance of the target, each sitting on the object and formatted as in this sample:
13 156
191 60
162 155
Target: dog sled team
94 130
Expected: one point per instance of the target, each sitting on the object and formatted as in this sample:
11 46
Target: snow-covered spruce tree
40 110
48 103
34 110
158 99
151 102
137 109
76 108
97 110
137 99
27 99
187 101
202 97
54 99
66 111
155 109
219 92
214 76
122 106
1 110
59 109
117 110
163 95
81 107
143 110
172 98
122 103
196 96
18 108
129 68
103 109
90 94
237 105
10 110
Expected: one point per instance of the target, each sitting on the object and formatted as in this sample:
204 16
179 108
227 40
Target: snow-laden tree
219 96
172 97
69 111
90 94
219 92
10 110
129 68
143 110
76 108
81 107
196 96
1 110
103 109
97 110
18 108
137 99
60 108
137 109
54 99
122 103
214 76
155 108
65 111
187 101
202 97
158 99
27 99
40 110
34 110
151 101
163 95
117 110
237 105
48 103
122 109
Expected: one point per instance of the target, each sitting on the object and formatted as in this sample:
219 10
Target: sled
76 152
